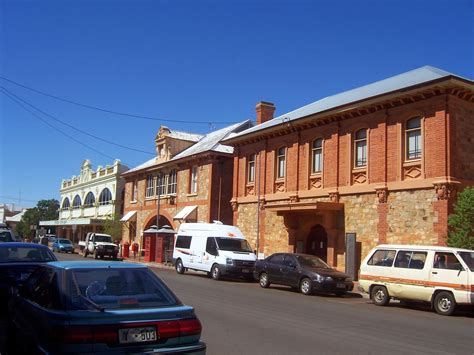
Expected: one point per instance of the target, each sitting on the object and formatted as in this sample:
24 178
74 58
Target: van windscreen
468 258
232 244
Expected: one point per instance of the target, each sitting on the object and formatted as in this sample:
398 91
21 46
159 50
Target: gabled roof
208 142
399 82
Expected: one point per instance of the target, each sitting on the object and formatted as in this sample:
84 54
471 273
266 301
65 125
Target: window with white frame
90 200
172 182
193 180
66 204
76 203
251 168
360 148
413 138
150 186
105 197
161 184
317 156
281 162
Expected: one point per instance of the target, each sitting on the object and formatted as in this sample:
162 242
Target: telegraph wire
75 128
210 123
55 128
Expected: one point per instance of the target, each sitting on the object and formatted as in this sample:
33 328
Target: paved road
241 318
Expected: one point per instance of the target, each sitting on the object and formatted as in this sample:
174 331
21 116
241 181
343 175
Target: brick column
382 209
443 192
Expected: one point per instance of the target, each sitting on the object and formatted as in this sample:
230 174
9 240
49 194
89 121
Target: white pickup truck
99 245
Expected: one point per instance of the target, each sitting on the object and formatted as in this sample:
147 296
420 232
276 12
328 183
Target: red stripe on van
460 287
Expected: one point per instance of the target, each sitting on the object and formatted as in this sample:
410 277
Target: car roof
76 265
420 247
22 245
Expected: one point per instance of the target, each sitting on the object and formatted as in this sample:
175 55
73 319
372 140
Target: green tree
461 222
45 210
113 227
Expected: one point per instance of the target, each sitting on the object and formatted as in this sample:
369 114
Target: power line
106 110
75 128
55 128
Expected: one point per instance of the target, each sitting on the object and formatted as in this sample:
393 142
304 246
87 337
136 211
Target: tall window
172 182
66 204
281 162
161 184
134 190
90 200
317 156
105 197
360 148
193 182
251 168
150 186
413 138
76 203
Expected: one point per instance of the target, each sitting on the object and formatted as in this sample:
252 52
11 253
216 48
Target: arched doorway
158 246
317 242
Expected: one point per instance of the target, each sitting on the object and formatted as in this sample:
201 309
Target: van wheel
179 267
305 286
380 296
444 303
215 272
263 280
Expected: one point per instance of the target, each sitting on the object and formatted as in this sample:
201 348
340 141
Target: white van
215 248
442 276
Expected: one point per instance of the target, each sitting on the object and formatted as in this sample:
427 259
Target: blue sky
197 61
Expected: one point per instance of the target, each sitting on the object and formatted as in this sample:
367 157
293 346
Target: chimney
265 111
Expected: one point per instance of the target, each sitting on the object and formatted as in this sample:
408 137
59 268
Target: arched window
317 156
413 138
360 148
251 168
281 162
66 204
90 200
76 203
105 197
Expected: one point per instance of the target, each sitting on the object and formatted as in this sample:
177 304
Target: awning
187 212
72 222
128 216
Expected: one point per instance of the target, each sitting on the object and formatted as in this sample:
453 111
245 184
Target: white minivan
215 248
439 275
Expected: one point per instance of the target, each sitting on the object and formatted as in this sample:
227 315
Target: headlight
229 261
318 278
328 278
100 246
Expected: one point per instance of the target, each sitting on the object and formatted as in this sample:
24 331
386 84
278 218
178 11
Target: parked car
63 245
441 276
6 234
101 307
17 262
307 273
99 245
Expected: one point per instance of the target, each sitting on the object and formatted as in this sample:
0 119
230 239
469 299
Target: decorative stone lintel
334 196
234 204
294 198
382 194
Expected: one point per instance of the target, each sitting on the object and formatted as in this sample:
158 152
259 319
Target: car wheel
444 303
215 272
305 286
179 267
380 296
263 280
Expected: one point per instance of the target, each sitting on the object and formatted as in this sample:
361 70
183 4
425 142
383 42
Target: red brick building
191 173
383 161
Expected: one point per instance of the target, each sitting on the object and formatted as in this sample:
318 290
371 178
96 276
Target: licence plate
340 285
245 271
137 335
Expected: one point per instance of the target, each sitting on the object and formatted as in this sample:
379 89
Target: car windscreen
103 238
117 289
233 244
25 254
64 241
312 261
468 258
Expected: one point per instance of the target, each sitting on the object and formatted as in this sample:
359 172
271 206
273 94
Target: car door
290 272
210 254
273 268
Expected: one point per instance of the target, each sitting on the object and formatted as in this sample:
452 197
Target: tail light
109 333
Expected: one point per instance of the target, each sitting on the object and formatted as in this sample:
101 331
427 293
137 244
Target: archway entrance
158 246
317 242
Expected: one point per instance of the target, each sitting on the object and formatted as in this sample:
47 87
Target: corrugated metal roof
208 142
402 81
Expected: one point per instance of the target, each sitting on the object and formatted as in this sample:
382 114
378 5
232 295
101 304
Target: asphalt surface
239 317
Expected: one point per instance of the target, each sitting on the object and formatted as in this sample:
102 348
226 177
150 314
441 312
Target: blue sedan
62 245
102 307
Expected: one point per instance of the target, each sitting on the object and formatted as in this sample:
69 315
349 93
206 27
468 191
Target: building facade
383 161
188 180
88 199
